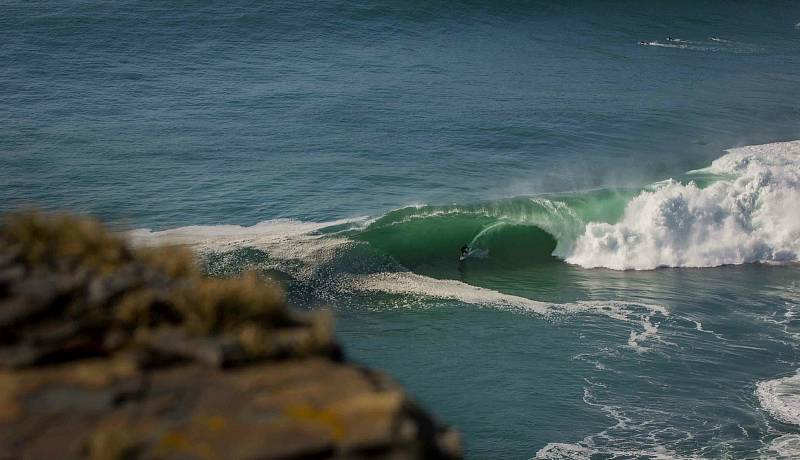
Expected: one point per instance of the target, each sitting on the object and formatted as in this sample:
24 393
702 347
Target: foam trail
564 451
624 439
407 283
648 330
681 44
785 447
781 398
752 217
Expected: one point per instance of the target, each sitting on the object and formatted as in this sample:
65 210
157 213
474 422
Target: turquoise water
633 290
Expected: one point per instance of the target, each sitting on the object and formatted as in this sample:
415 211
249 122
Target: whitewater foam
296 246
753 217
642 434
262 234
407 283
784 447
636 338
680 44
565 451
712 44
781 398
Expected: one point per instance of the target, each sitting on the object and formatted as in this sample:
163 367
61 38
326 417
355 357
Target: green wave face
437 240
507 233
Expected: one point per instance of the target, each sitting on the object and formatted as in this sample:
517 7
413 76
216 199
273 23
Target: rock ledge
107 352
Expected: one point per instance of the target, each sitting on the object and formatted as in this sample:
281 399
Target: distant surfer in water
464 251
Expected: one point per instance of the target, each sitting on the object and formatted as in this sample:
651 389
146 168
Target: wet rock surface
107 352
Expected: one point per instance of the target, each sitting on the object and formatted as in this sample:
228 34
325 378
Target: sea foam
783 447
781 398
751 215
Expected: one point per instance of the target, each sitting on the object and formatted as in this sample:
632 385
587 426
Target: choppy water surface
633 209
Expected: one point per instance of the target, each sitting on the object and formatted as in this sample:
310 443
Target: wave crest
740 209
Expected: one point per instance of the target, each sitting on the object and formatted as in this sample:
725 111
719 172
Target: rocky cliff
110 352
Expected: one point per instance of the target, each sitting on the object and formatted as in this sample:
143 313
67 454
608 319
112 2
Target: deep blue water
165 115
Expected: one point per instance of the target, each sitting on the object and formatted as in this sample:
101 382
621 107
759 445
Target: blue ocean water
633 207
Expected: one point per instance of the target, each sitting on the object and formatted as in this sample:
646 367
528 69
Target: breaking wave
740 209
510 232
322 252
378 256
749 215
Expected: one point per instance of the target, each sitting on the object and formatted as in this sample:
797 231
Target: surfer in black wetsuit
464 251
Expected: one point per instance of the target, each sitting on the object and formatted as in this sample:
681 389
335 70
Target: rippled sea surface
623 172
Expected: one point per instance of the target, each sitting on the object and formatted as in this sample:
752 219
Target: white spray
752 217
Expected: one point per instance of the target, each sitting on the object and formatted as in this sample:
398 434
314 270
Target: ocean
626 174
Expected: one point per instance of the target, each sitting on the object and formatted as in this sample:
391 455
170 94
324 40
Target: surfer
670 39
464 251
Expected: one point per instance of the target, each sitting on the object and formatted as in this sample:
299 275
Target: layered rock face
107 352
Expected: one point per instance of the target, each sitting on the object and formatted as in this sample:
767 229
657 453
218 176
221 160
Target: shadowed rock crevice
111 352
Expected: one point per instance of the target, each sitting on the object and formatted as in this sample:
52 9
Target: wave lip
750 217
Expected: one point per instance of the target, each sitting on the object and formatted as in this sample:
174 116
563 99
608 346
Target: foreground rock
111 353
